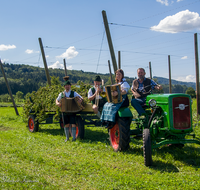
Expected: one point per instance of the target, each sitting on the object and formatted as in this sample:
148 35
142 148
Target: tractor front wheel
147 147
119 134
32 124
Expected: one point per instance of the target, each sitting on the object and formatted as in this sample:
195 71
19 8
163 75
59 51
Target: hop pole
9 90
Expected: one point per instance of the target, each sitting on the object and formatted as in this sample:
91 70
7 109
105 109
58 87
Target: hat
97 78
67 83
66 78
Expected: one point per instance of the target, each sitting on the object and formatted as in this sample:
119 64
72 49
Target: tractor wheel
80 129
147 147
119 134
32 124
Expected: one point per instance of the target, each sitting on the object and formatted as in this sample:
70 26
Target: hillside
26 78
162 80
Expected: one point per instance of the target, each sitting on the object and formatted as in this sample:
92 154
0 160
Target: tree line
25 79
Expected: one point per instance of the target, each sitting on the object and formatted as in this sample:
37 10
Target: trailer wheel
119 135
80 129
32 124
147 147
61 123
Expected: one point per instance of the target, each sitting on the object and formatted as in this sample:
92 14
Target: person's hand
80 100
158 87
134 93
59 104
99 89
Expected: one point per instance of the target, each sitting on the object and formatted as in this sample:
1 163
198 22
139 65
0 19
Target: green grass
43 160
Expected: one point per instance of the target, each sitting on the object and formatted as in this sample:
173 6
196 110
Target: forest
26 78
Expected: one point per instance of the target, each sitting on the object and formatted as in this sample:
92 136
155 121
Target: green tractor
168 120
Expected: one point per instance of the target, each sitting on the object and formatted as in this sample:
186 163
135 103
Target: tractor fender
125 112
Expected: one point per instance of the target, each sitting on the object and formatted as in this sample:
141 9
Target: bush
44 100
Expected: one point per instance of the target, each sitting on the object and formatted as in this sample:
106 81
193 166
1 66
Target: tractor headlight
152 103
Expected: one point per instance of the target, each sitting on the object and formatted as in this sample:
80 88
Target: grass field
43 160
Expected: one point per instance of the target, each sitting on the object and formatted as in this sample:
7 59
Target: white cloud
181 21
184 57
47 56
69 54
30 51
179 0
6 47
69 67
165 2
189 78
58 65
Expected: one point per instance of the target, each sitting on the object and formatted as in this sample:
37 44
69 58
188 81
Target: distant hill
162 80
26 78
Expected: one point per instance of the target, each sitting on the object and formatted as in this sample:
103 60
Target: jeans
137 104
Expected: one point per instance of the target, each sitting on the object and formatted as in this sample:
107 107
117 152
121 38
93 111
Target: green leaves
44 100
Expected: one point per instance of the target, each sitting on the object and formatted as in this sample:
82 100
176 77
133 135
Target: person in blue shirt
141 88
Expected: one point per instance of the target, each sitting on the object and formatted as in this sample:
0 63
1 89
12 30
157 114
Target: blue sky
143 31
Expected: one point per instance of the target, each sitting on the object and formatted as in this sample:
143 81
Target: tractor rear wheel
80 129
119 134
147 147
32 124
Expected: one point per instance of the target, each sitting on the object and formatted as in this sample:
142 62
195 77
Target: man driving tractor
141 87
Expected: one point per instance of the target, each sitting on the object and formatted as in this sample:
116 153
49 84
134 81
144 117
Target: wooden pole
9 90
150 70
65 67
197 73
109 41
119 60
170 85
44 61
110 72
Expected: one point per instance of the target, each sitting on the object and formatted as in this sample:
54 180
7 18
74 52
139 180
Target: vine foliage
40 103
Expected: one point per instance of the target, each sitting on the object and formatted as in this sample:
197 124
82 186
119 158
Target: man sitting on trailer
141 88
94 96
68 119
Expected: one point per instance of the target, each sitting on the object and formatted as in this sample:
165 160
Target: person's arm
92 96
58 103
124 89
155 85
78 95
58 100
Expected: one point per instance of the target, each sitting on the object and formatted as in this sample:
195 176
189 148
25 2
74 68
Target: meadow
43 160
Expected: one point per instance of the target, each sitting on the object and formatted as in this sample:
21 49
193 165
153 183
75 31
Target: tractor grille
181 113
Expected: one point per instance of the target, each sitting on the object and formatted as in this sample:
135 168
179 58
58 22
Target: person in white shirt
94 95
119 78
68 119
110 109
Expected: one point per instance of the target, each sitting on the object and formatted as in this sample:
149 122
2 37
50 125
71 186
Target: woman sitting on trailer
110 109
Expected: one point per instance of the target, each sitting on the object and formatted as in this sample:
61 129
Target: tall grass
43 160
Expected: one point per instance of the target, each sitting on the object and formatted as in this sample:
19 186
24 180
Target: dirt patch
4 128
